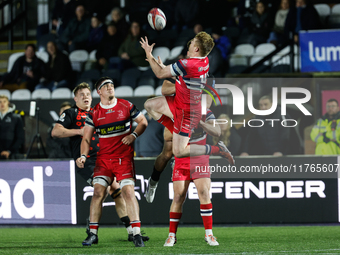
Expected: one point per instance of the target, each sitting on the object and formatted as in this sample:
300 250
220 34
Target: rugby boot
91 239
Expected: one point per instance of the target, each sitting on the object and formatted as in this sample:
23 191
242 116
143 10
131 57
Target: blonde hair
225 135
4 96
205 43
82 85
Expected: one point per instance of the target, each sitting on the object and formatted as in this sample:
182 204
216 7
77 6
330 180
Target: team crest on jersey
109 111
200 69
62 117
120 114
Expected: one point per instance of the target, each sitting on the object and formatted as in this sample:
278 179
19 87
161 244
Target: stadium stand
21 94
144 90
158 91
162 52
61 93
124 91
5 92
41 94
78 58
12 58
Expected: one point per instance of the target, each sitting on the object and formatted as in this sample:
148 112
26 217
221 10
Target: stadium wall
292 189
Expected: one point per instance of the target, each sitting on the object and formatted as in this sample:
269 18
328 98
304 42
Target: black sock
126 221
155 175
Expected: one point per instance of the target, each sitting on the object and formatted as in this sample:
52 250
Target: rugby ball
156 19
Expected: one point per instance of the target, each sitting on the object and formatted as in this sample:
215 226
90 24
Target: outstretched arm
160 71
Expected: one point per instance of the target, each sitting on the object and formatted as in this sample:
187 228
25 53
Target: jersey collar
199 57
109 106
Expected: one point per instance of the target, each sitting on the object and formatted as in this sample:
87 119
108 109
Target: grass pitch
233 240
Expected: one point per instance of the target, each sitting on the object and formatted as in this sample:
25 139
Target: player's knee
204 194
165 156
148 105
129 193
178 153
99 194
179 198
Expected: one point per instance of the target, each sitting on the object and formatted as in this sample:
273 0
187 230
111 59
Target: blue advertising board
37 192
320 50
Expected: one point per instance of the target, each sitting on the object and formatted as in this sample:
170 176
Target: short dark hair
333 100
31 45
64 104
82 85
101 80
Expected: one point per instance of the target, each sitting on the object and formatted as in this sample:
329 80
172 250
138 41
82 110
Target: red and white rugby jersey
189 75
198 136
112 123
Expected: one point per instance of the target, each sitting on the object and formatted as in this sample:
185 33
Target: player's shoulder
95 108
124 103
71 111
197 60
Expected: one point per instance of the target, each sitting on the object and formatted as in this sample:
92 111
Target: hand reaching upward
145 45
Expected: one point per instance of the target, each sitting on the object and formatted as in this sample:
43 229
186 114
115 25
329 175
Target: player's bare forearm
142 124
210 128
168 88
85 143
59 131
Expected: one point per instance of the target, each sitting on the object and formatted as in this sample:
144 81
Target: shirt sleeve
210 116
89 120
134 112
178 68
65 119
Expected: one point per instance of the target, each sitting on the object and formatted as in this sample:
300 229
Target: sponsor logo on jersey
109 111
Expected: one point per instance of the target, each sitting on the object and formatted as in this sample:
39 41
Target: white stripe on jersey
174 68
137 116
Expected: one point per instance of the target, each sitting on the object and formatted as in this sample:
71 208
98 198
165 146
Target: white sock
208 232
129 230
94 231
172 234
136 231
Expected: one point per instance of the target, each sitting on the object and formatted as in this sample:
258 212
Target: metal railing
12 12
268 57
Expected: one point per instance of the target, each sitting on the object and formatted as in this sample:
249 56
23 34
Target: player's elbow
160 76
163 74
144 123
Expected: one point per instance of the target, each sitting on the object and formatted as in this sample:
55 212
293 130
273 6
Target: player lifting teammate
194 169
111 119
